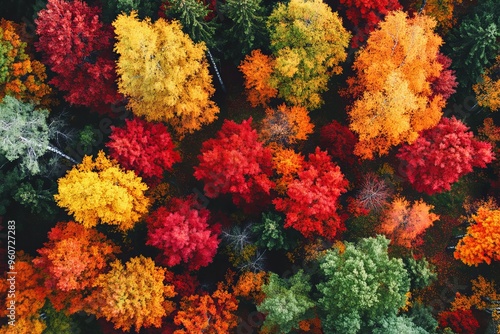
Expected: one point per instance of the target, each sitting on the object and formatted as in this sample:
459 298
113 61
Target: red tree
366 14
460 321
74 256
446 83
236 162
78 48
443 154
182 233
339 141
312 199
144 147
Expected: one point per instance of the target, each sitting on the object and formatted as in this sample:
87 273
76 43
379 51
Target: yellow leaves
101 192
164 73
133 295
480 288
488 90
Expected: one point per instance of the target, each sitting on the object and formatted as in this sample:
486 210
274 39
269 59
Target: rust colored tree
405 223
312 200
286 125
339 141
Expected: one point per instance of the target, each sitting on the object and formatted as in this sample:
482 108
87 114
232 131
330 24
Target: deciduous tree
143 147
361 286
206 313
404 224
182 233
74 256
101 192
286 125
312 200
236 162
20 76
257 69
163 73
488 88
460 321
287 163
339 141
443 154
481 241
133 295
77 47
392 88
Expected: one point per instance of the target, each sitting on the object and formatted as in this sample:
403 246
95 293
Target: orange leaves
286 125
393 91
249 286
133 295
101 192
19 75
287 164
488 89
74 256
207 314
482 239
257 69
404 223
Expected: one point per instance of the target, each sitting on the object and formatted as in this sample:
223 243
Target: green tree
25 134
421 272
145 8
271 233
287 302
361 286
396 325
247 26
473 45
57 322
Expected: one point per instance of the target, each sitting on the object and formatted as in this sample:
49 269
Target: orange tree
394 99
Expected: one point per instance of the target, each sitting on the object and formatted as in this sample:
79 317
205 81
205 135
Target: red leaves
460 321
443 154
144 147
312 199
78 48
446 83
182 232
236 163
339 141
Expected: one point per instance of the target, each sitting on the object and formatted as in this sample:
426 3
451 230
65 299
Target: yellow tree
394 99
164 73
482 239
133 295
101 192
488 90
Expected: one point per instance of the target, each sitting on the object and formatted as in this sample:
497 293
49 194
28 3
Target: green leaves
287 302
24 133
271 232
360 286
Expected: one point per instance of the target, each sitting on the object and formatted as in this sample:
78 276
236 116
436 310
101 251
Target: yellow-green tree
308 42
163 73
101 192
133 295
393 92
488 89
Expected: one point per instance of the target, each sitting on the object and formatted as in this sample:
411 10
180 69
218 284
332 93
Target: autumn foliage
257 69
404 223
20 76
143 147
488 89
481 241
74 256
77 47
394 99
460 321
443 154
286 125
101 192
312 200
182 233
287 163
236 162
339 141
133 295
163 73
366 14
206 313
